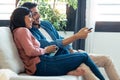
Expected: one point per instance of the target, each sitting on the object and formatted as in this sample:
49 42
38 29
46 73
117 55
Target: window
108 10
6 8
107 15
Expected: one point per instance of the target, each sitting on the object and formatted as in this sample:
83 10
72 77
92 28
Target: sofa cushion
9 57
37 78
65 77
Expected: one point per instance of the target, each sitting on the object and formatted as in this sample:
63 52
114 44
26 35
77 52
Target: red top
28 48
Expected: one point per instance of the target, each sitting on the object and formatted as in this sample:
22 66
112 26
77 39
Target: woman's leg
80 71
88 73
62 64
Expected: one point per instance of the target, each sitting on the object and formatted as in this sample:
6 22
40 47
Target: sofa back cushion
9 57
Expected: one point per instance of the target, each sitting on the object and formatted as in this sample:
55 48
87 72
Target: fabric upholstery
9 57
6 74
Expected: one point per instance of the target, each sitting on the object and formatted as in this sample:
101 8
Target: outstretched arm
82 34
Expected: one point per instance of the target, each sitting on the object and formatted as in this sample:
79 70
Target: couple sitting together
34 48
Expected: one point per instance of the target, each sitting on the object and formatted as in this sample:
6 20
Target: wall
102 42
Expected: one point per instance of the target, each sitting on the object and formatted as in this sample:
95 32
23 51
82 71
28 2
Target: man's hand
82 33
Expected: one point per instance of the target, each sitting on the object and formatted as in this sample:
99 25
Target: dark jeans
62 64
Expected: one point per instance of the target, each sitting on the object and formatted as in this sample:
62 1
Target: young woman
35 60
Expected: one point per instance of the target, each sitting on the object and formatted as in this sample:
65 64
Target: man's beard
35 24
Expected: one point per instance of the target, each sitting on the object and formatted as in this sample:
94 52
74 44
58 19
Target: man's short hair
29 5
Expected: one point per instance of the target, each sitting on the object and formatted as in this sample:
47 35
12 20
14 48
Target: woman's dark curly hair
17 17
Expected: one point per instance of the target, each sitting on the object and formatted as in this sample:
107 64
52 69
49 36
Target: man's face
36 16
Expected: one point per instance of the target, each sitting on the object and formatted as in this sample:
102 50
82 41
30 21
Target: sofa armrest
6 74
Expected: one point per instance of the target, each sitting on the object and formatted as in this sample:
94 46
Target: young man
54 38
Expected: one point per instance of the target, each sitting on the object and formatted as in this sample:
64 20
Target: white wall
107 44
102 42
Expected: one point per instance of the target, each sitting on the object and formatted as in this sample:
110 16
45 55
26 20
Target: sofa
11 66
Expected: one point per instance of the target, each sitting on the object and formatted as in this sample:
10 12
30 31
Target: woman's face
28 21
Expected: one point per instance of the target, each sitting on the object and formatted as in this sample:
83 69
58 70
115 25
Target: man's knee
107 60
101 60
